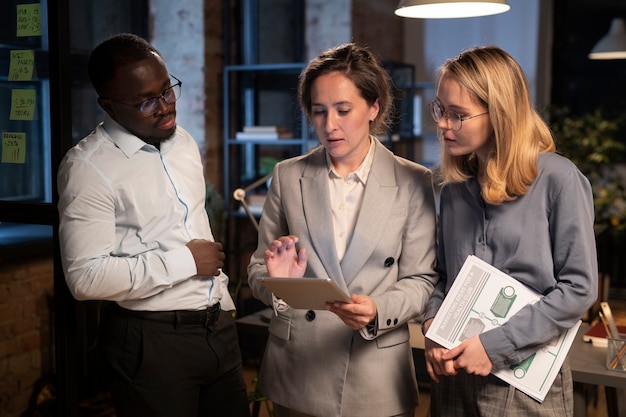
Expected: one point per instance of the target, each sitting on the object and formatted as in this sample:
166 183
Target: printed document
482 298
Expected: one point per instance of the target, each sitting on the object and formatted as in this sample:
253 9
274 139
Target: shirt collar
362 170
123 139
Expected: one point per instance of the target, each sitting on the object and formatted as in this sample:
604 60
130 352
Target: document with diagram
482 298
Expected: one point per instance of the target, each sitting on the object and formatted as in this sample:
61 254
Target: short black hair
114 52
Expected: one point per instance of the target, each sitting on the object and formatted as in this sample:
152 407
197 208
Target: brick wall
374 24
213 63
368 22
26 342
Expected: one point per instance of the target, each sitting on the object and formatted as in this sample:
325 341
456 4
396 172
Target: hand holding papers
482 298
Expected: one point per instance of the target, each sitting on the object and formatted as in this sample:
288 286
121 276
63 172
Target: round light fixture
444 9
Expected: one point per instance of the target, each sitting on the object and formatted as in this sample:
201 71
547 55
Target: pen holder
616 353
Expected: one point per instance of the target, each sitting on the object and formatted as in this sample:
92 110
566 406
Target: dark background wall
577 81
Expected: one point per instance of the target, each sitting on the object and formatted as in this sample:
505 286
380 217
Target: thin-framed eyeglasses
454 120
151 105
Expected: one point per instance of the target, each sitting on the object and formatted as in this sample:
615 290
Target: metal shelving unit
263 94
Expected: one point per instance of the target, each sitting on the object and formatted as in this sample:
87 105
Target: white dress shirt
346 195
127 210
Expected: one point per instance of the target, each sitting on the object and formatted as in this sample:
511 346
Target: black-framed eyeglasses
454 120
150 106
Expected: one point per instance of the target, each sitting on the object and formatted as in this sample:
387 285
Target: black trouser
159 369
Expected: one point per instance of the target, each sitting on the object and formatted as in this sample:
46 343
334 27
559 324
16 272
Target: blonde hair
520 135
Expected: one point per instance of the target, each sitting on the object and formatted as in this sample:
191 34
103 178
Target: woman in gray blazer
351 211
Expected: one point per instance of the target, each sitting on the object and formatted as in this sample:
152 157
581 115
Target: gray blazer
313 362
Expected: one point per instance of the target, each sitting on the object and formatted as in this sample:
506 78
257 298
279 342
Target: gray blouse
544 239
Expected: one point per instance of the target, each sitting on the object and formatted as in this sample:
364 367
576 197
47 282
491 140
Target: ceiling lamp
613 44
443 9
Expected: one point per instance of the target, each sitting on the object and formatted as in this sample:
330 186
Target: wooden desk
588 364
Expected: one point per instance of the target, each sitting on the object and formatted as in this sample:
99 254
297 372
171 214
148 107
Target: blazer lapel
378 200
316 201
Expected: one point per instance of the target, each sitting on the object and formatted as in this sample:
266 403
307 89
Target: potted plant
589 141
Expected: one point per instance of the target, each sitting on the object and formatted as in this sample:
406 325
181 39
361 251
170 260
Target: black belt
204 318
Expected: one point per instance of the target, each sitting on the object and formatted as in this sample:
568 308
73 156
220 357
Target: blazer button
310 315
388 262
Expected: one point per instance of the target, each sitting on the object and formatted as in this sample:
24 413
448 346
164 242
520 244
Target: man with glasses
134 232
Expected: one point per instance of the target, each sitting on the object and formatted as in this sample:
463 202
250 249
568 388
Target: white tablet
306 293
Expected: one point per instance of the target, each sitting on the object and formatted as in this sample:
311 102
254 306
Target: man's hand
283 261
208 255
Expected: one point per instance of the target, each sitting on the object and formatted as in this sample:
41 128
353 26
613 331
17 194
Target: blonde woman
509 199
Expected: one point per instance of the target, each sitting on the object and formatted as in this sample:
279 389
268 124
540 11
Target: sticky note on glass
21 65
13 147
28 20
22 104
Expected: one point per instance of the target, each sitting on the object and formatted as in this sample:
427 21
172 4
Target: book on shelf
263 135
597 334
266 129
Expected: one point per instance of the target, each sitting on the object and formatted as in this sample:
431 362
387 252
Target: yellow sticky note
21 65
29 19
22 104
13 147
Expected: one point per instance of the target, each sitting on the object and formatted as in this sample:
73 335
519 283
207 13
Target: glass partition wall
25 119
34 122
46 105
